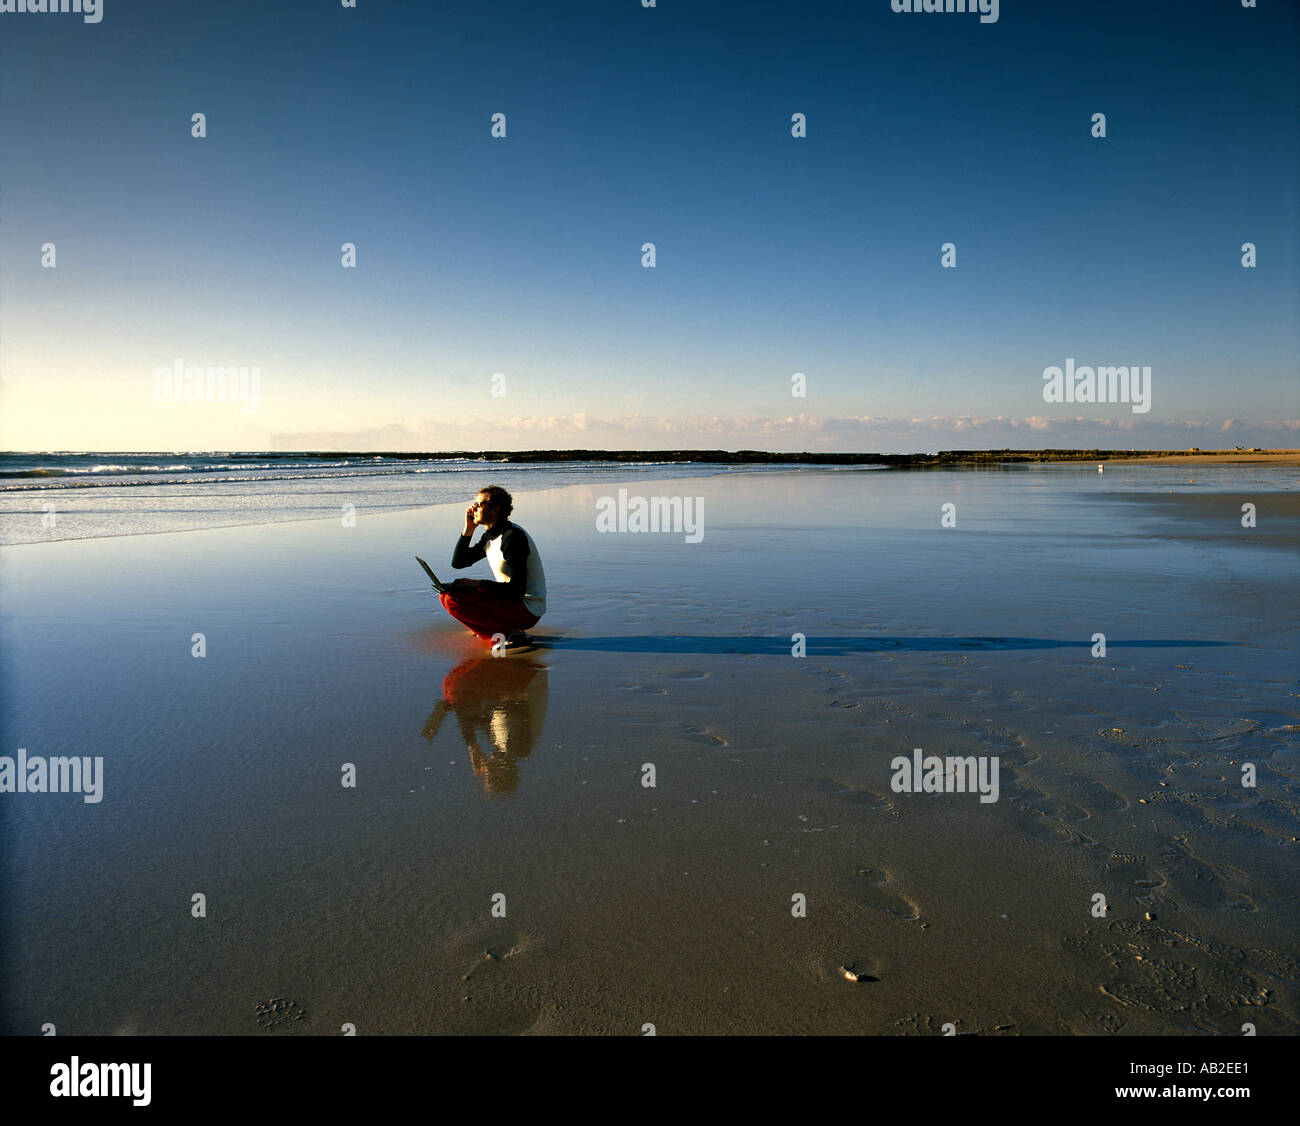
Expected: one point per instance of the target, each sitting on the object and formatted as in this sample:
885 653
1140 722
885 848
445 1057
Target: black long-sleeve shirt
514 548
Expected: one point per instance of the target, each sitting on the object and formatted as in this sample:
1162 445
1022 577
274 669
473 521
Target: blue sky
670 125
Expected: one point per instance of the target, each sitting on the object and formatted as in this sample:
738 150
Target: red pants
487 614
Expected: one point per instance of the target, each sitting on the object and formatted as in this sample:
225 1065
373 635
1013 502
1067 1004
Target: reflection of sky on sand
500 706
1115 774
780 646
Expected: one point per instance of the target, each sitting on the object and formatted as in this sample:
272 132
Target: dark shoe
518 640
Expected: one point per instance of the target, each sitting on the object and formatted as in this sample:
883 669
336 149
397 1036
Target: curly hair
498 497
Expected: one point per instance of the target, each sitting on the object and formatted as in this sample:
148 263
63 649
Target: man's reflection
500 705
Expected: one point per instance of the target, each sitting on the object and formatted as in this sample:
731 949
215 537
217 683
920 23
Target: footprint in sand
1120 735
1154 984
1279 809
881 892
491 954
1093 796
1047 819
278 1012
856 795
1194 881
705 736
1009 746
1092 1022
1167 986
1126 868
1151 967
822 670
499 996
1199 808
1143 935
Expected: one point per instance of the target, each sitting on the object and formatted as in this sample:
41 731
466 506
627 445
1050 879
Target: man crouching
516 600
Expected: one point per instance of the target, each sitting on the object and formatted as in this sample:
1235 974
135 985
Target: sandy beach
479 777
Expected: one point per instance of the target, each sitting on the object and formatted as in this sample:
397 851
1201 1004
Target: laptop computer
440 587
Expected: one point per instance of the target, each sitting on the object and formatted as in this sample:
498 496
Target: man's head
493 504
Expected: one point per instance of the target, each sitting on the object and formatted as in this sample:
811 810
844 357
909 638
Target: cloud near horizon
860 433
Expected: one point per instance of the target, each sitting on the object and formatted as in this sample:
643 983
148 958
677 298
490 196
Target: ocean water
46 497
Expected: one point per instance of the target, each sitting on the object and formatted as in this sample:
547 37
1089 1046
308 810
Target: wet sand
626 905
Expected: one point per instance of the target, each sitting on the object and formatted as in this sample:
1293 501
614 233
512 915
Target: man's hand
469 521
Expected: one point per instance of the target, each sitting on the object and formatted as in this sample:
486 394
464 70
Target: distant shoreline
942 459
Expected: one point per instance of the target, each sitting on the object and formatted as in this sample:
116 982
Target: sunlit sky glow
668 125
